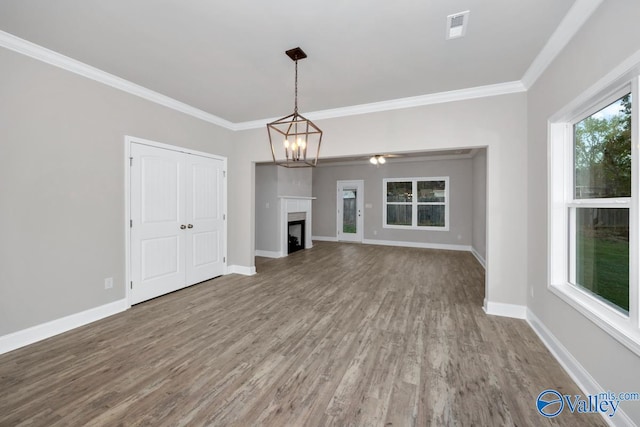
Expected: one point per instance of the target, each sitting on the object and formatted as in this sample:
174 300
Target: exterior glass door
349 211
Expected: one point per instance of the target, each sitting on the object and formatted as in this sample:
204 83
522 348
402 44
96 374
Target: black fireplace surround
296 235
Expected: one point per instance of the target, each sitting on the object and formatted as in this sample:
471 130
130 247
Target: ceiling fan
380 159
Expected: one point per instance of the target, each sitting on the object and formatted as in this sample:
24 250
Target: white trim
128 141
291 205
415 203
506 310
50 57
569 26
481 260
572 22
560 196
340 187
269 254
418 159
610 320
422 245
324 238
618 76
27 48
397 104
297 197
49 329
241 269
576 371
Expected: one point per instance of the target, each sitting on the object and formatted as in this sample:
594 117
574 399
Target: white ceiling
227 57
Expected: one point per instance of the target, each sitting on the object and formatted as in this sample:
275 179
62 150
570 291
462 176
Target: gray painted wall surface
273 182
267 208
460 191
294 182
479 239
610 36
497 122
62 216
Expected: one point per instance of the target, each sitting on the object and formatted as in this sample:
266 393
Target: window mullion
414 204
634 230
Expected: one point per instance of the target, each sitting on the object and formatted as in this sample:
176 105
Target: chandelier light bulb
373 160
381 160
286 143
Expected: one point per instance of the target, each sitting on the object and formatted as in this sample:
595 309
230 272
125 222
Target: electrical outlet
108 283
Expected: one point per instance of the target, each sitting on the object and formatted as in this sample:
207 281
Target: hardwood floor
341 334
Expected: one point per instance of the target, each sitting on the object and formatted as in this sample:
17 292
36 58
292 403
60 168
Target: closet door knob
182 227
190 226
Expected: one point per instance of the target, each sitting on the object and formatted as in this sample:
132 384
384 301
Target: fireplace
296 235
295 221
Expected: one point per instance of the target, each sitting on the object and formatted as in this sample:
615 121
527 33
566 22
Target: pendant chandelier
295 141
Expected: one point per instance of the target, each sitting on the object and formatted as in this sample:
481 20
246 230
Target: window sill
411 227
608 319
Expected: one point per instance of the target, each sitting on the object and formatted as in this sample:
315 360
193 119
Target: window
599 209
416 203
594 200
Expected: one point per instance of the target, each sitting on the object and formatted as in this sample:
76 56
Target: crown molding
397 104
578 14
569 26
48 56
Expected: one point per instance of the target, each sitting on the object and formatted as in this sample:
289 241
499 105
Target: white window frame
625 328
414 204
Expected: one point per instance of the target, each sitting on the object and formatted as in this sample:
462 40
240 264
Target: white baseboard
269 254
422 245
481 260
47 330
505 310
576 371
324 238
241 269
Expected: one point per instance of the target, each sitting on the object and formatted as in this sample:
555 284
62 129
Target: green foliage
603 266
603 154
349 228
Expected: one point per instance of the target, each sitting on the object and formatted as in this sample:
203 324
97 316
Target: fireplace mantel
297 204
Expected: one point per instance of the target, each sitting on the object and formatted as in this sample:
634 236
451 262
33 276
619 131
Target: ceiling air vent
457 24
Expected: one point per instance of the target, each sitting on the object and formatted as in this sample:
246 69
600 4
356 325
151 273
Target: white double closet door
177 220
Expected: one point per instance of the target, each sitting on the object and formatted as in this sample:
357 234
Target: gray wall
267 208
294 182
460 190
610 36
273 182
479 207
497 122
62 218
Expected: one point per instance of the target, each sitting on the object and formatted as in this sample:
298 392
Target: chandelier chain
295 106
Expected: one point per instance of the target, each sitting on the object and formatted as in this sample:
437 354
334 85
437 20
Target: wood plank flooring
341 334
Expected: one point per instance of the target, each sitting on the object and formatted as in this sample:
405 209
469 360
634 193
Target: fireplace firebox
296 235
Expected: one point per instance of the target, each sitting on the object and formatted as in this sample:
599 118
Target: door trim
128 141
359 183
